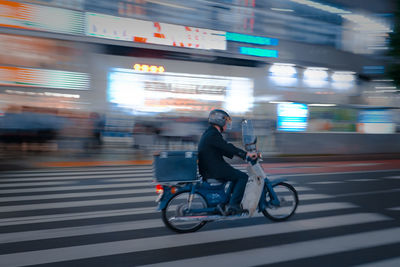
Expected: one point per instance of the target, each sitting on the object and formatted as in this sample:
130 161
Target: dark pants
239 181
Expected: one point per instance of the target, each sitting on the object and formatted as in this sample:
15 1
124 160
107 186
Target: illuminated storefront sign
148 68
75 4
376 121
177 92
29 77
251 39
43 18
292 117
258 52
37 52
134 30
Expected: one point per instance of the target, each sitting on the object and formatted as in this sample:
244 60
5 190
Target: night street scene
200 133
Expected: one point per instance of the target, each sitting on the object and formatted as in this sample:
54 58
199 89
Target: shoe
235 210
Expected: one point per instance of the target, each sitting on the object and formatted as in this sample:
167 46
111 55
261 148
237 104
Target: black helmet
219 117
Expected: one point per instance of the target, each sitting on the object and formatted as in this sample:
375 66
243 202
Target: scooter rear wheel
288 199
176 207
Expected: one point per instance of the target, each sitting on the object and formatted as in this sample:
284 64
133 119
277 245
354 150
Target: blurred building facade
152 61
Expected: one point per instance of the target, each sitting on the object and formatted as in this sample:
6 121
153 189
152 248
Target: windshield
248 137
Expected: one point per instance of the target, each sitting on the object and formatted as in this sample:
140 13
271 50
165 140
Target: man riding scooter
211 149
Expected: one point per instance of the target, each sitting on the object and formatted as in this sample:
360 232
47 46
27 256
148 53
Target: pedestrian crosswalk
106 216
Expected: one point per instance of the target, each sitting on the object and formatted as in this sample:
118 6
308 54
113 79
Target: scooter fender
166 196
263 203
163 202
275 181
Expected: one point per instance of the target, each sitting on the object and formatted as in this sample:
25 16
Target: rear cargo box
175 166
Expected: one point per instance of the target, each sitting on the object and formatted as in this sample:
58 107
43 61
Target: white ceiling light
282 9
385 87
283 69
313 73
280 102
322 105
366 23
323 7
343 76
383 80
363 22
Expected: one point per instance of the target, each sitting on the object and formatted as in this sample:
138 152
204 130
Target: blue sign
375 116
250 39
292 117
258 52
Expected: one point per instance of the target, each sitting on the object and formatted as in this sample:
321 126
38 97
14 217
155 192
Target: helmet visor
228 123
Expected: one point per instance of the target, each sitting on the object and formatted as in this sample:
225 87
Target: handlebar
255 160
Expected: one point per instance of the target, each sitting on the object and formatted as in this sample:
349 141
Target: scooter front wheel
288 201
175 215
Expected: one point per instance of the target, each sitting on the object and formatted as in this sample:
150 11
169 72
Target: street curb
266 159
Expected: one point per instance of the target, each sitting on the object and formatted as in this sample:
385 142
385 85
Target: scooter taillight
159 189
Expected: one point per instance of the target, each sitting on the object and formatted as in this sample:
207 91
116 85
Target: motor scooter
187 201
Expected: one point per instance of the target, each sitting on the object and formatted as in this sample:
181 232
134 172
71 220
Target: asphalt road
349 215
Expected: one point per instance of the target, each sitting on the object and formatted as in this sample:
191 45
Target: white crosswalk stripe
327 182
78 203
384 263
44 207
392 177
104 177
73 216
363 180
69 195
394 208
144 244
78 175
133 225
35 184
297 250
76 187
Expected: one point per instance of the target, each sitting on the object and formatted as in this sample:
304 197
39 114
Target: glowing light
283 70
323 7
148 68
321 105
343 79
292 117
366 23
159 189
283 74
282 9
315 74
343 76
363 22
145 68
316 77
153 68
280 102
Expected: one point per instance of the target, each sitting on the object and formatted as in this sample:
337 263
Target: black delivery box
175 166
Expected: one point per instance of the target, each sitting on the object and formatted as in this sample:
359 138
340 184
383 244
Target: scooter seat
215 181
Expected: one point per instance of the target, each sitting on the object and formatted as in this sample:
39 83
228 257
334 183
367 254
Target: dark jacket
212 147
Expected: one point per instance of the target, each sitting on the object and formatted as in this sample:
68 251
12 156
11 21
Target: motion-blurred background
91 78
